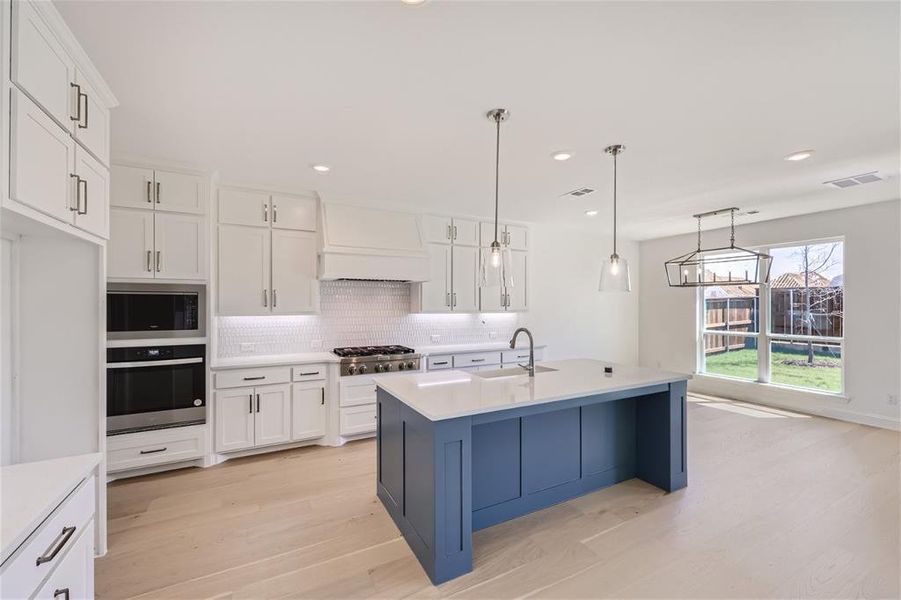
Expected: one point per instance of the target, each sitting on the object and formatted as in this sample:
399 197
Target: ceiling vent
578 192
846 182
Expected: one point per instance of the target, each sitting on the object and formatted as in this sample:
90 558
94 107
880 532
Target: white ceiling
707 97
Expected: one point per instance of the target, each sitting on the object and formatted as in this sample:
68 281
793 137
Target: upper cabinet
515 237
59 127
267 253
450 230
158 189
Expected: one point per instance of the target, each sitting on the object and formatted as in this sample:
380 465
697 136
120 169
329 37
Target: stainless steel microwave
135 311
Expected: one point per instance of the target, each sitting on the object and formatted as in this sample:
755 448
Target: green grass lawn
743 364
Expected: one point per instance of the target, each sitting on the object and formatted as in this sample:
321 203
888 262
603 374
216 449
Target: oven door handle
154 363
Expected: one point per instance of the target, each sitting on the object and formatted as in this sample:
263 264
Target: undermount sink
510 372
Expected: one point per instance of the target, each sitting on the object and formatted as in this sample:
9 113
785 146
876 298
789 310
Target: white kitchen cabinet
293 212
307 411
465 279
517 296
91 125
492 299
437 230
515 237
272 416
42 160
178 192
235 419
179 246
155 447
73 578
244 270
40 64
243 207
358 419
465 232
294 285
131 187
130 249
435 294
91 195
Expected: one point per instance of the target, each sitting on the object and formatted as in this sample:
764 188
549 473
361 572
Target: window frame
764 335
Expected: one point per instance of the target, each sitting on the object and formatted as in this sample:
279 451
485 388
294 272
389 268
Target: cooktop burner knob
362 369
351 369
401 366
411 364
388 367
379 368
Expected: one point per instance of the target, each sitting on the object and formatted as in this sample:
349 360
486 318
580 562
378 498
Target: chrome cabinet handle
446 298
322 402
266 298
476 360
149 193
57 545
274 291
77 191
78 187
455 232
155 450
309 374
258 403
158 254
453 299
275 213
77 89
444 362
149 268
250 403
63 592
448 232
265 213
78 102
257 378
157 192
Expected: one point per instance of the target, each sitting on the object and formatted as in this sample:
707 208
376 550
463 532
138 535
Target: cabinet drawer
146 448
245 377
442 361
521 355
309 372
358 419
73 578
356 395
48 544
477 359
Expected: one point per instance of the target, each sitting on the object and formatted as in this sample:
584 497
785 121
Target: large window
787 332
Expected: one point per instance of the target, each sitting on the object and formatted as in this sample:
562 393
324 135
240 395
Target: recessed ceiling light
591 213
322 168
413 2
800 155
562 155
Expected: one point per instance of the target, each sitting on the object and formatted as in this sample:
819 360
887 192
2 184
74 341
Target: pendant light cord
614 203
732 236
497 170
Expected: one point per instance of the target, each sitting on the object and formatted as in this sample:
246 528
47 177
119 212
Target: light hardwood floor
778 505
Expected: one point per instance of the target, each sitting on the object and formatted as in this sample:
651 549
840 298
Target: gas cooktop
357 351
362 360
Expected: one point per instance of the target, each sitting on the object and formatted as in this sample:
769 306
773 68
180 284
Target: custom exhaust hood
373 244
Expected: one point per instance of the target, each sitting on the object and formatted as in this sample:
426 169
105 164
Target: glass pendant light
615 276
496 268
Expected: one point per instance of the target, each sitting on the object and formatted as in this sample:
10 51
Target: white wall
567 312
872 257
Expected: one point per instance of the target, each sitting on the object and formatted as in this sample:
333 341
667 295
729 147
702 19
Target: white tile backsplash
355 313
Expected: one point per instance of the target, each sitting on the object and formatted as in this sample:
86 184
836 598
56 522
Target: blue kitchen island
460 451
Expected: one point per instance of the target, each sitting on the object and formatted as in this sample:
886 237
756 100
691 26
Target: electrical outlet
893 400
315 344
492 335
435 338
246 348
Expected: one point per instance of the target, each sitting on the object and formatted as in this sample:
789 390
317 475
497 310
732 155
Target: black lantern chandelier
727 265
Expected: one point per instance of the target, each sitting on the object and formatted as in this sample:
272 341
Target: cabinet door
516 237
437 230
73 577
294 212
436 291
295 288
91 197
179 242
465 279
243 207
234 419
307 411
517 296
131 187
466 232
40 64
490 298
243 270
130 249
272 422
92 128
41 161
178 192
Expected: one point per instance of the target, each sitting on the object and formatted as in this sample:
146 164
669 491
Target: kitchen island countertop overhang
458 452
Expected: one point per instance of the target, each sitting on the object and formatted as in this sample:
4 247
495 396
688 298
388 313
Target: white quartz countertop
30 491
265 360
462 348
439 395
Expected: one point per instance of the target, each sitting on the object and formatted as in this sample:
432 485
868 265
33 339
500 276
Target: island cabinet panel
550 450
496 467
608 439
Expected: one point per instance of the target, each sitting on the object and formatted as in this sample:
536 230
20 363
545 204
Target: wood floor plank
778 505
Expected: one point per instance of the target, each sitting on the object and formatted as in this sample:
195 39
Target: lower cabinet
157 447
74 576
264 415
358 419
308 411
